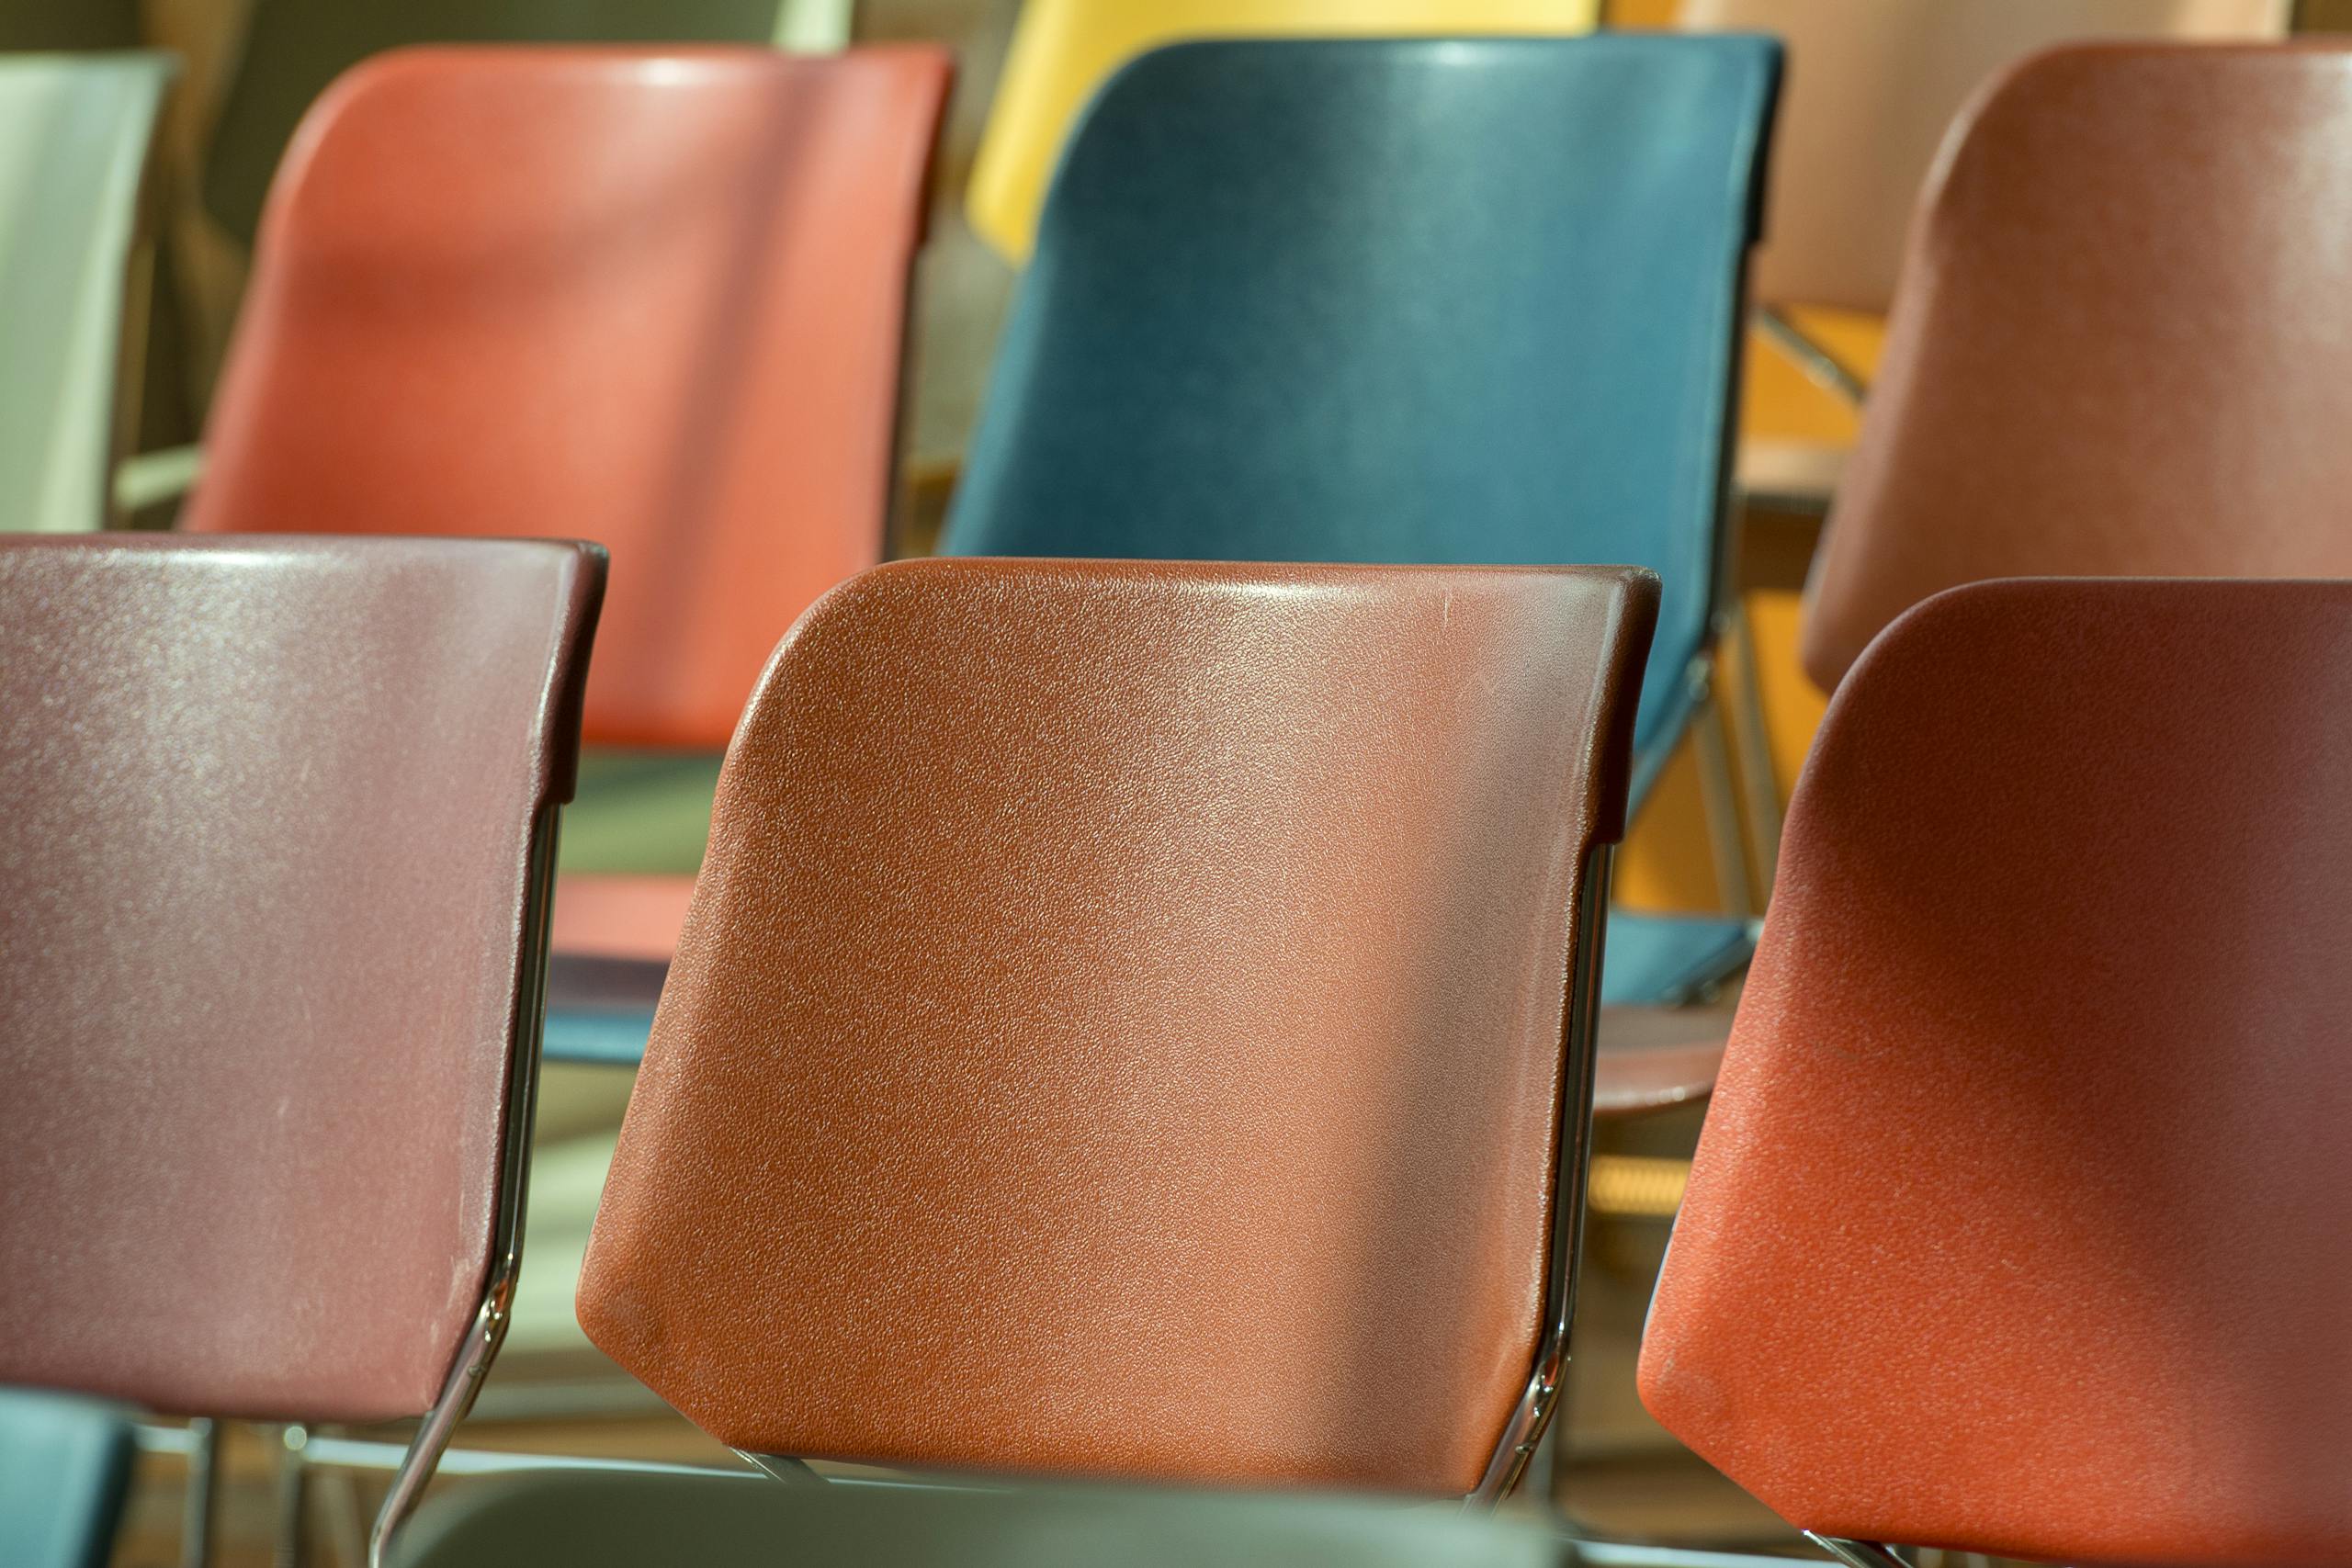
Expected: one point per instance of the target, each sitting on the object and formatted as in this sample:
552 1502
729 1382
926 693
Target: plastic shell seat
648 297
276 858
1872 90
74 132
1458 300
2132 245
1141 1003
1063 51
2018 1224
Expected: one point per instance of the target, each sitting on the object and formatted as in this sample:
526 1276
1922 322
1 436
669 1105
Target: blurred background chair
2029 1149
635 1520
1063 51
254 68
2118 349
74 134
651 298
273 981
1401 300
2128 243
1149 1005
2121 244
1873 87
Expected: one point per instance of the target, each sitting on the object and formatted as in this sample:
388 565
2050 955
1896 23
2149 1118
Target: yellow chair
1063 49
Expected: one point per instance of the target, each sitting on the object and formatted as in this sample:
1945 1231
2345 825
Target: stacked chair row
1139 1020
763 308
1064 1069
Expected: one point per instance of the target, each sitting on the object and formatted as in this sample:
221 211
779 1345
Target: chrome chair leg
202 1493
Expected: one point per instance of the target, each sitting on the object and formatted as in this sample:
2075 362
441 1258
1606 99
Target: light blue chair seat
64 1468
1670 960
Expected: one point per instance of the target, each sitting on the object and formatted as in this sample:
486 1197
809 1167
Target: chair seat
1656 1058
612 941
591 1519
1659 960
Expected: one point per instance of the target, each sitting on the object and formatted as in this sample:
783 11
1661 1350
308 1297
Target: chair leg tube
203 1490
293 1469
1856 1553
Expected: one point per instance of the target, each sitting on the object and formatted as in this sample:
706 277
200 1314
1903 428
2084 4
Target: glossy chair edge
480 1346
1524 1430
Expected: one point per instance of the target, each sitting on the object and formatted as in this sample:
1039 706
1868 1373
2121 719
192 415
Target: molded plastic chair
293 49
279 842
2018 1226
64 1468
635 1520
75 130
1399 300
1149 1004
2136 247
1874 85
1063 51
651 298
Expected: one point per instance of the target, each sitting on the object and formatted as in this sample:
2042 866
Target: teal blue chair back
1393 300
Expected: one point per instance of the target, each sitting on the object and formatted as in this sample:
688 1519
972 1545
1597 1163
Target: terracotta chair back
2018 1226
1128 1022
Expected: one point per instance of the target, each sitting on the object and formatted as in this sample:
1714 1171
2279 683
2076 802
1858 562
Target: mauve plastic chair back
650 297
2019 1223
1437 300
277 814
1137 1005
1872 87
2123 343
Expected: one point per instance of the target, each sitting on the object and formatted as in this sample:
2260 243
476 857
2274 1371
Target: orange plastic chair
654 298
2122 344
650 298
1150 1004
1062 50
2019 1223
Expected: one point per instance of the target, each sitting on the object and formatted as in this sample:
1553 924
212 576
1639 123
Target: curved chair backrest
270 973
289 52
1063 51
1391 300
2018 1226
75 130
1873 84
650 298
2124 345
1140 1002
